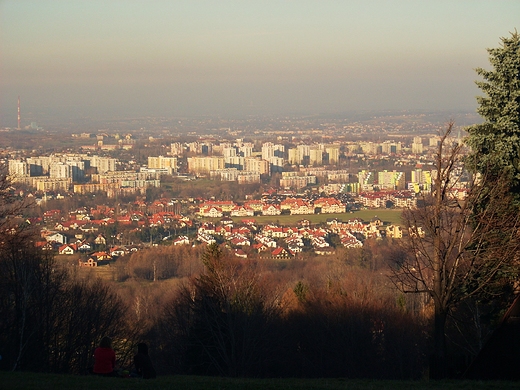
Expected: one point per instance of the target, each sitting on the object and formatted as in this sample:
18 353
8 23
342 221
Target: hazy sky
158 57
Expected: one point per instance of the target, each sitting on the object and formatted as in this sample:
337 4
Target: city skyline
133 58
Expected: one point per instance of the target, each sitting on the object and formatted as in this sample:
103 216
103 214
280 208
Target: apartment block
204 165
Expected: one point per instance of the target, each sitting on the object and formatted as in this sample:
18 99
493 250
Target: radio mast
19 127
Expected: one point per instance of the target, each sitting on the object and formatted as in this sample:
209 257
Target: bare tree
49 322
11 204
459 246
222 318
22 269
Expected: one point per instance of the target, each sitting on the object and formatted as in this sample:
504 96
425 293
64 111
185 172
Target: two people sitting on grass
105 361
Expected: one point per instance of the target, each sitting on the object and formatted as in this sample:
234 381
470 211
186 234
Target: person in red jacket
104 358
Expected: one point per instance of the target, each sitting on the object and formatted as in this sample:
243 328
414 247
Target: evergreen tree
495 143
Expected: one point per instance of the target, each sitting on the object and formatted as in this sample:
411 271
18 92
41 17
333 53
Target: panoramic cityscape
305 169
260 190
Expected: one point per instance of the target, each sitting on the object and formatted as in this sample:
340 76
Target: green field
29 381
388 216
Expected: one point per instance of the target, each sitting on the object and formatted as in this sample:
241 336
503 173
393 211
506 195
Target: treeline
204 311
50 320
238 319
210 313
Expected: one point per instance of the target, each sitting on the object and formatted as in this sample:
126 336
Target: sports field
388 216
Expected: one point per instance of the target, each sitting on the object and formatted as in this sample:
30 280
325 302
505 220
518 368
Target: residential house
297 206
117 251
205 238
329 206
210 211
281 253
240 253
67 249
181 240
100 240
242 211
56 237
89 263
394 231
271 209
239 241
84 246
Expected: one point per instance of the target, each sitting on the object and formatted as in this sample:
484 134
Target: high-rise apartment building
391 180
315 156
332 154
39 166
160 162
18 169
59 170
177 149
388 147
420 180
103 164
292 156
270 150
304 152
256 165
417 146
203 165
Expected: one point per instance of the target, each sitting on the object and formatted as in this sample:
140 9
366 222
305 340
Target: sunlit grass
388 216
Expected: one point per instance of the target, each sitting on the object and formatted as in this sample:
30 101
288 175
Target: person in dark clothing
143 364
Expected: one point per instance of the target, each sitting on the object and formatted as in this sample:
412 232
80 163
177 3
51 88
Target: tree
26 290
88 310
495 143
25 273
458 249
11 204
222 318
49 322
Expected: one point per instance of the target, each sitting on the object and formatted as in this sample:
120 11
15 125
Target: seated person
104 358
143 363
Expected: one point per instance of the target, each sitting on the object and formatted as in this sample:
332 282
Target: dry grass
28 381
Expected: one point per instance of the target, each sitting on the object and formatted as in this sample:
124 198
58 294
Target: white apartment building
18 169
103 164
332 153
204 165
270 150
160 162
59 170
39 166
417 146
177 149
389 147
292 156
392 180
315 156
237 162
256 165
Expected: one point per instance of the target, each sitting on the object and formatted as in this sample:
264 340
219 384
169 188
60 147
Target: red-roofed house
66 250
281 253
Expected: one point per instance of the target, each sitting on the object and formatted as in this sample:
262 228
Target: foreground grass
28 381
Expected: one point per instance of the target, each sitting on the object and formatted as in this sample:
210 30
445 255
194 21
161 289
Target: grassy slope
389 216
28 381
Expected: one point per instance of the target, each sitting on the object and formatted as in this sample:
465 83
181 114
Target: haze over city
73 59
259 194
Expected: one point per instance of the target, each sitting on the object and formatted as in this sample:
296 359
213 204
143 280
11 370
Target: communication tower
19 127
